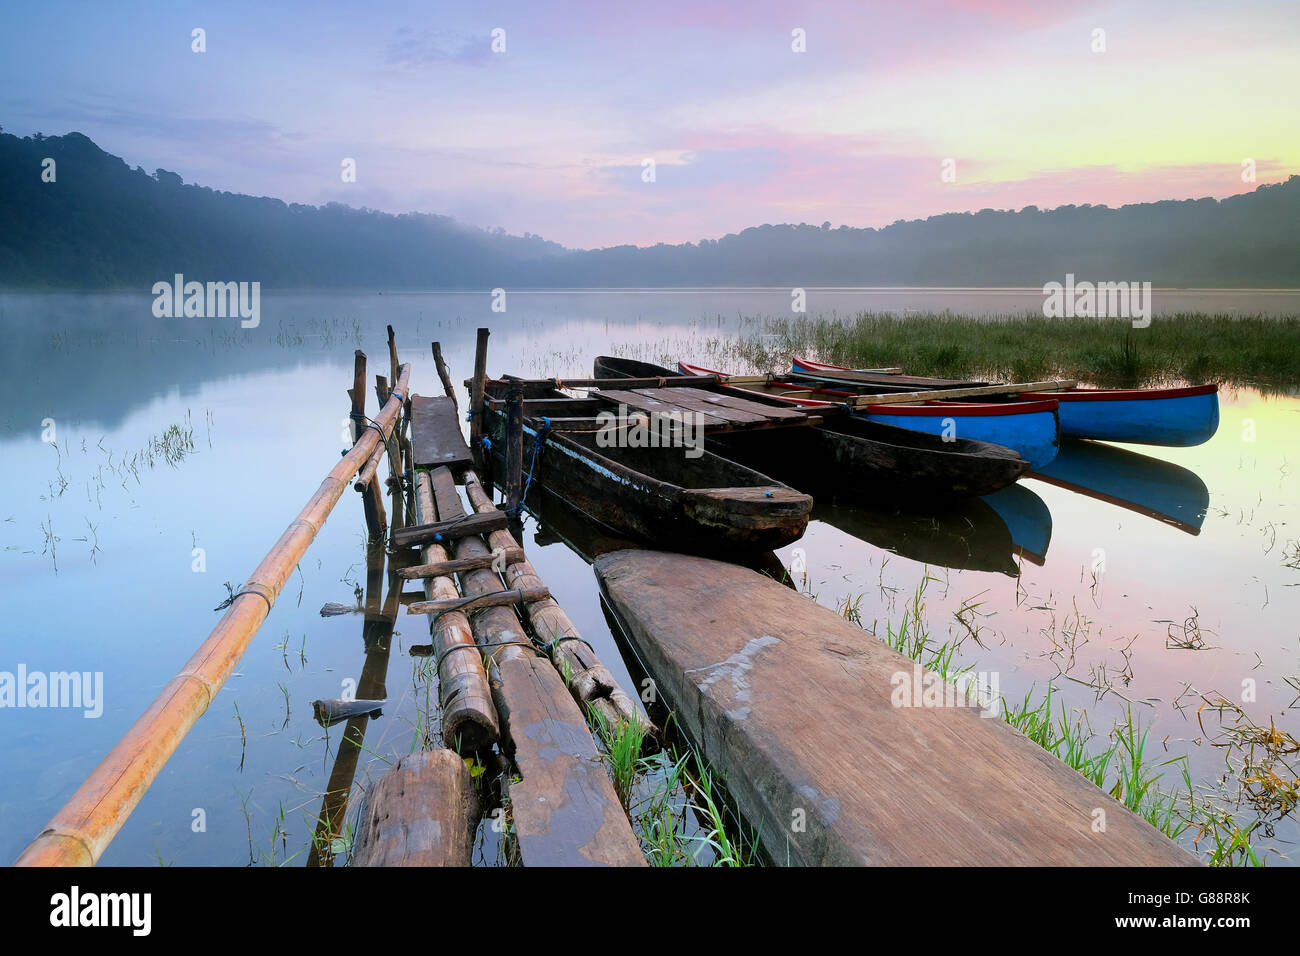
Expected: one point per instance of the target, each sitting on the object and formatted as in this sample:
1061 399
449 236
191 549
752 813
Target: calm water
97 561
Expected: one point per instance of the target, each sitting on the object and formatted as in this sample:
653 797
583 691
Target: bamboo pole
476 398
591 681
469 718
80 831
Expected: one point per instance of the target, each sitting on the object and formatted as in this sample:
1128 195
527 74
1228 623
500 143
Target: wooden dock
508 685
791 705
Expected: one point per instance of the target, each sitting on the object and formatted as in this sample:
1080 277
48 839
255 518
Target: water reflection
1139 483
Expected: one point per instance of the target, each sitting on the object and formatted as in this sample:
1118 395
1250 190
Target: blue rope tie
538 442
487 443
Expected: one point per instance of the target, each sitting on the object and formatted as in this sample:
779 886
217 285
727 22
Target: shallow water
98 562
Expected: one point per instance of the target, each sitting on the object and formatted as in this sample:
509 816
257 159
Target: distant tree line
102 224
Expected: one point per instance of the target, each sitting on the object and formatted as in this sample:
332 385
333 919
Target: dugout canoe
858 455
1172 417
698 502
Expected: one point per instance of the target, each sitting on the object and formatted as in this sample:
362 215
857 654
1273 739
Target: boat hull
1029 429
855 453
714 507
869 457
1172 417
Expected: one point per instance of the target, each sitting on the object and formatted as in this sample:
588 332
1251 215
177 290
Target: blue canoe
1030 427
1175 417
1178 417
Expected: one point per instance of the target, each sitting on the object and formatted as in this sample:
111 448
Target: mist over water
173 435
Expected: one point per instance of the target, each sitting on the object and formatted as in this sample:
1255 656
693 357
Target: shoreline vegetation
1247 351
1215 823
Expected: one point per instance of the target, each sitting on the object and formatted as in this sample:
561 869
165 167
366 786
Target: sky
550 135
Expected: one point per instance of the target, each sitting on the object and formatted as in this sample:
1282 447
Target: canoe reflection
1139 483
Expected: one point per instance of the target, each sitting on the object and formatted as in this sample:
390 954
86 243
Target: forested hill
101 224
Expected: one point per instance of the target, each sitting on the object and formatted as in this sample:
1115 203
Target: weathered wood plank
416 571
564 808
689 402
649 403
498 598
436 438
591 682
770 411
792 706
423 812
449 530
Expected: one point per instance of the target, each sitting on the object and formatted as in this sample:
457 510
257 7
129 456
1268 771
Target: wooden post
423 812
358 394
377 633
392 355
444 374
476 398
514 447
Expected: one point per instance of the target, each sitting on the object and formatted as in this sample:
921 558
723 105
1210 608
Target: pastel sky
549 136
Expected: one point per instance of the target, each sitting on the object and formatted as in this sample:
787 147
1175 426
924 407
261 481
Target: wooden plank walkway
791 704
436 438
564 807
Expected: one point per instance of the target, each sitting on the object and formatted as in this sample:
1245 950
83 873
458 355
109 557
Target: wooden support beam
448 530
564 808
372 498
514 447
392 354
423 812
469 717
505 556
358 392
444 375
590 681
468 603
476 398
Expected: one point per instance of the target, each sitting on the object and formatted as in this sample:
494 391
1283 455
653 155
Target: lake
1176 584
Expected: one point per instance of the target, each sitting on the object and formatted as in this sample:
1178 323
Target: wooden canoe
1029 428
858 455
704 504
1176 417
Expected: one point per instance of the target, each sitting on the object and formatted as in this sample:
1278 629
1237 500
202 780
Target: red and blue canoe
1028 428
1177 417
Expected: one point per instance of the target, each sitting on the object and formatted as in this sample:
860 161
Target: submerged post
514 447
476 399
